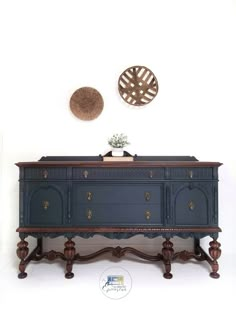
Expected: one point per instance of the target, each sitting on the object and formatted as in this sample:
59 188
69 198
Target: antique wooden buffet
152 196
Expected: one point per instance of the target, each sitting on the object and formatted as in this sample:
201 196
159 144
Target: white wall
51 48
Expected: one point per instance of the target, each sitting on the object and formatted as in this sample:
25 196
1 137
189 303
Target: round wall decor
138 85
86 103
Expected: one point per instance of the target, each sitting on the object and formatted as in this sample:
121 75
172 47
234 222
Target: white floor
46 291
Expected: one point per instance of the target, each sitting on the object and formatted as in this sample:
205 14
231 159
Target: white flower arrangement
118 141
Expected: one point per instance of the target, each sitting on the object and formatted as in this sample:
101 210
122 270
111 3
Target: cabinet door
45 204
192 204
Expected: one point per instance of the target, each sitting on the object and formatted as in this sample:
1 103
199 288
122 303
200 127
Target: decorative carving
167 252
69 253
119 232
22 252
215 253
187 255
119 252
51 255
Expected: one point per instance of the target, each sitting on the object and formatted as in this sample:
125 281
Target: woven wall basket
86 103
138 85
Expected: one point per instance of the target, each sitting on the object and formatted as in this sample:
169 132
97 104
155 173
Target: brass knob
89 214
191 205
147 215
190 174
45 174
89 196
85 174
147 196
45 205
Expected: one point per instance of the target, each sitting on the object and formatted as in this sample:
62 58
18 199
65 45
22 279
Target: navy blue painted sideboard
84 196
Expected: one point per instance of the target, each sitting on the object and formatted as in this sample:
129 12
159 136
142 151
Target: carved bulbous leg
69 253
215 253
22 252
167 252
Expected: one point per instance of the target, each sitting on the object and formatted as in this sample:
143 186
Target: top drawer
118 173
191 173
45 173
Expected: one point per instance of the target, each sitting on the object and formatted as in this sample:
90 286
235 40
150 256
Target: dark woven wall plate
86 103
138 85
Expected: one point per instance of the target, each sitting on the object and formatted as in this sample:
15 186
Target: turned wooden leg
40 246
22 252
196 246
69 253
215 253
167 252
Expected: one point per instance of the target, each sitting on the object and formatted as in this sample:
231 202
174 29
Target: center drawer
116 204
117 214
116 194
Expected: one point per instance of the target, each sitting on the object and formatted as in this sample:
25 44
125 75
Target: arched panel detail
45 206
191 206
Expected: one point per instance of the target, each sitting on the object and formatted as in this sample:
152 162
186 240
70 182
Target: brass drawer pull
89 214
147 196
89 196
190 174
147 215
45 205
45 174
85 174
191 205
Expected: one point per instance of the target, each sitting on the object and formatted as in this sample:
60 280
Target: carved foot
69 275
215 253
168 275
22 275
167 252
22 252
69 253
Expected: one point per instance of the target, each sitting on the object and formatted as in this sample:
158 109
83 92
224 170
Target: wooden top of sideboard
118 164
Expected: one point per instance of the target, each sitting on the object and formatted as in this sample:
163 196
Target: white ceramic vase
117 152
